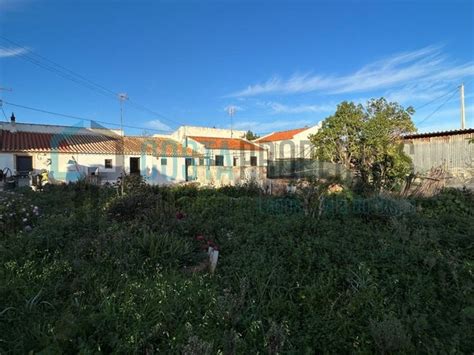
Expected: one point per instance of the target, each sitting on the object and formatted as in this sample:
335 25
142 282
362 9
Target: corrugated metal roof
89 144
439 134
226 143
281 136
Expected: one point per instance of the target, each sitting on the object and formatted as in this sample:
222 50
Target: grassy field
83 270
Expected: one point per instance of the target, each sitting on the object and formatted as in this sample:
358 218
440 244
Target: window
108 163
201 161
24 164
164 161
219 160
235 161
253 161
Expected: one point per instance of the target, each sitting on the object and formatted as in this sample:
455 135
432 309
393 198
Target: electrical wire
4 114
79 79
80 118
436 99
437 109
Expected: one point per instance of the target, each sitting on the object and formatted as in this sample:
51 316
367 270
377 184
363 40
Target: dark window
219 160
235 161
108 163
164 161
253 161
135 166
24 164
201 161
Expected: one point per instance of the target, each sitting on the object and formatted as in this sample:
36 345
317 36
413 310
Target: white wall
297 147
218 176
185 131
243 156
60 168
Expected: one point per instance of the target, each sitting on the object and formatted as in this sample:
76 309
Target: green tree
250 136
368 141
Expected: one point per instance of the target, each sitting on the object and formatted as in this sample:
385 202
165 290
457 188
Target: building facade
291 144
72 153
451 150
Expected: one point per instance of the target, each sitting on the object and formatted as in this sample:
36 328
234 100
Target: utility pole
122 97
463 116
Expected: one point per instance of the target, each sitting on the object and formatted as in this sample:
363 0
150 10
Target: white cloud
424 65
158 125
282 108
12 52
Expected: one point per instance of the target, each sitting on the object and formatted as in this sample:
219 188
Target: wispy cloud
278 108
12 52
158 125
427 64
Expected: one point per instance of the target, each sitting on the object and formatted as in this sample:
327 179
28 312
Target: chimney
13 118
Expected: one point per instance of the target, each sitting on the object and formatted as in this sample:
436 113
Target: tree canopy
250 136
368 141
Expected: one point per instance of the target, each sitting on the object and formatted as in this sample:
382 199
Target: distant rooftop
226 143
281 135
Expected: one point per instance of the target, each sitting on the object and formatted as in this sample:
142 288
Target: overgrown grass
101 273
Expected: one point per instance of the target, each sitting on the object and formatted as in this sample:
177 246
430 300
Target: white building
226 157
291 144
70 153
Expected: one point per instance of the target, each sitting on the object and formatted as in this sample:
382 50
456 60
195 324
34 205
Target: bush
102 273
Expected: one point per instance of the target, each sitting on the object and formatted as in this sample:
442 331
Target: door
189 162
134 166
24 164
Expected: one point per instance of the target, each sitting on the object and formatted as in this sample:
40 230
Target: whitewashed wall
218 176
185 131
61 166
297 147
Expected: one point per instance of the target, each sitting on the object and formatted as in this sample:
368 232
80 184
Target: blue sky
282 64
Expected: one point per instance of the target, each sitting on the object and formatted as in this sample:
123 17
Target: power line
79 79
78 117
437 109
435 99
4 114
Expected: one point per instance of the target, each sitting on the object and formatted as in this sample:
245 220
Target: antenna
463 115
231 110
122 97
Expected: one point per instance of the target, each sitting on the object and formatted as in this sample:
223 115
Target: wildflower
28 228
200 238
25 220
180 215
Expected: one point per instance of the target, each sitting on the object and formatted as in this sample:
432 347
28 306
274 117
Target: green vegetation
84 270
250 136
367 141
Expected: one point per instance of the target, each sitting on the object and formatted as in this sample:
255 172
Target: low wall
229 175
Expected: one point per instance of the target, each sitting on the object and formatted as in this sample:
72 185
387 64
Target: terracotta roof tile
226 143
90 144
281 136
